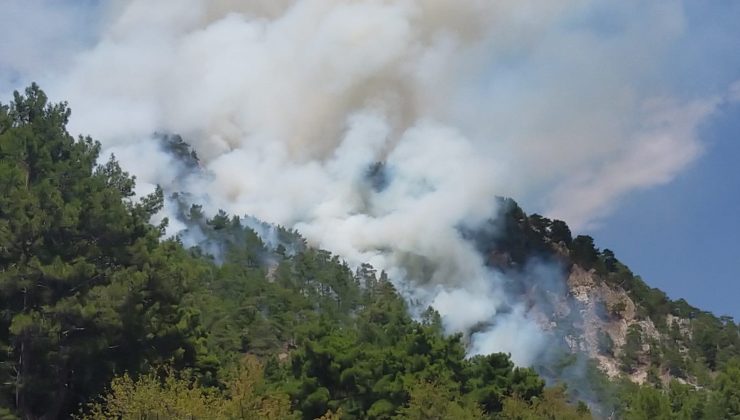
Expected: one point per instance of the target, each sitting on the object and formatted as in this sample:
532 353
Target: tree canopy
101 316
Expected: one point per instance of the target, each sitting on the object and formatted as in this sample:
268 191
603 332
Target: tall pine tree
86 287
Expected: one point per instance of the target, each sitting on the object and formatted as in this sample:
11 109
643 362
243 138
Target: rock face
593 315
593 305
607 314
599 316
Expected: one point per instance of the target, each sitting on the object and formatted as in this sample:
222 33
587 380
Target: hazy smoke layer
290 103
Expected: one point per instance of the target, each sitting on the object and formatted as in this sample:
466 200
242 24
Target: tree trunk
20 382
55 410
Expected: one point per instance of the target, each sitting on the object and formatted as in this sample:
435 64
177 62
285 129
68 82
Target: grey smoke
289 102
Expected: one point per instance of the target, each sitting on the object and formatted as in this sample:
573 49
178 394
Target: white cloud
666 144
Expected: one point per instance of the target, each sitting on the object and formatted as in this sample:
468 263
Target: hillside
105 317
609 313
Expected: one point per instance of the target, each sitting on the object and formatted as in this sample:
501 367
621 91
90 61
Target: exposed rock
605 309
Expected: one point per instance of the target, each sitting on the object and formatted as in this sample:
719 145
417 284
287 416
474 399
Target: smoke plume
380 128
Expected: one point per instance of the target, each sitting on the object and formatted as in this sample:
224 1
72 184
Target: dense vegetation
696 342
690 362
102 317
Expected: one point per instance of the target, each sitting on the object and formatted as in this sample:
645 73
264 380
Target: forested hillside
622 344
659 336
103 317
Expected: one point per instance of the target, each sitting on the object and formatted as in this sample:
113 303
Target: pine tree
86 287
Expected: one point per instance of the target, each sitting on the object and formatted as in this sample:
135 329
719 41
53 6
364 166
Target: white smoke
289 102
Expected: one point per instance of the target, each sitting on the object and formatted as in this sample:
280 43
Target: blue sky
680 236
684 238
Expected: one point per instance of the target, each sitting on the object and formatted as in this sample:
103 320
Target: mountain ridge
611 300
103 316
629 329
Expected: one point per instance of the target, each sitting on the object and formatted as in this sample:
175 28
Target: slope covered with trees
101 316
86 286
91 292
647 356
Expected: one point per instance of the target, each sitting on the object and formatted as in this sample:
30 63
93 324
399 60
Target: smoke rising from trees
290 103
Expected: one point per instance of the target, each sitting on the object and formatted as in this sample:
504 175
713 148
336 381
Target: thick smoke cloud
289 103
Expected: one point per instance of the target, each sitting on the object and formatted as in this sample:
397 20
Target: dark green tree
632 348
86 288
560 232
584 252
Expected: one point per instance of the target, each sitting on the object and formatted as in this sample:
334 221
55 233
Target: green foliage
178 148
93 301
618 308
649 403
584 252
551 405
428 401
632 348
720 400
724 402
513 235
86 286
686 401
694 346
611 263
560 232
173 395
605 343
345 339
